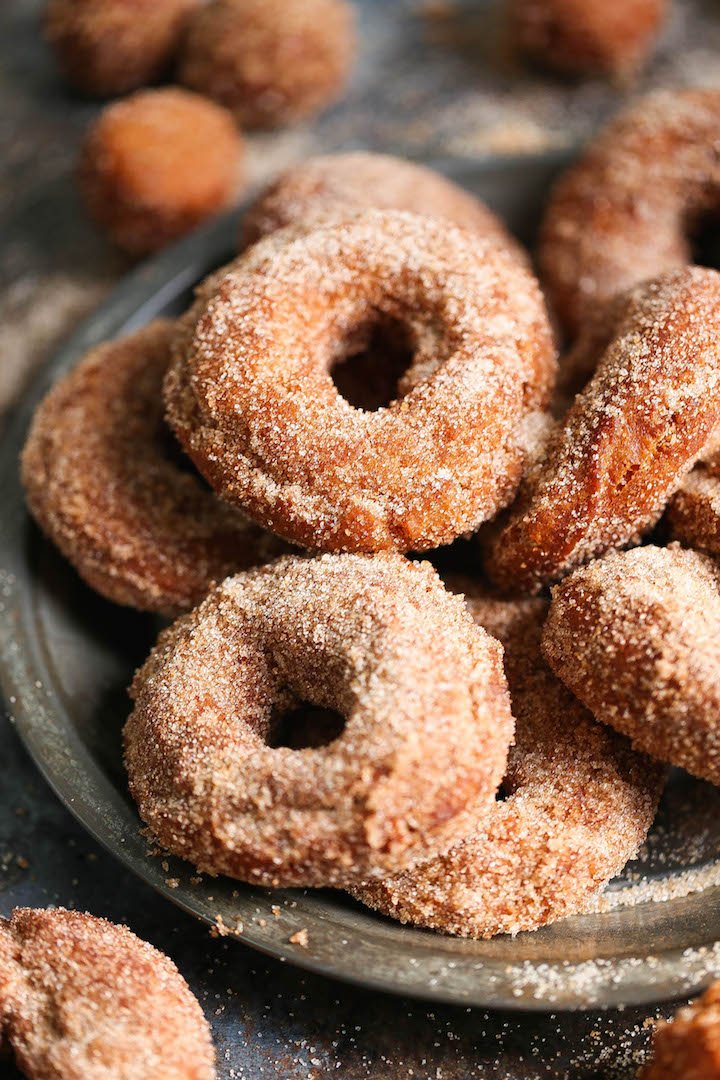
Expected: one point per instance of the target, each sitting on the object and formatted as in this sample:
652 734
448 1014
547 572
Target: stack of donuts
445 606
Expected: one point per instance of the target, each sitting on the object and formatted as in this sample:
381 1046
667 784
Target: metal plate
66 657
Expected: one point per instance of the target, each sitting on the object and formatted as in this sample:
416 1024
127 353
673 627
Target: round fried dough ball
156 164
106 47
272 62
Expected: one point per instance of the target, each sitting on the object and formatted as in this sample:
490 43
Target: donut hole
371 361
305 727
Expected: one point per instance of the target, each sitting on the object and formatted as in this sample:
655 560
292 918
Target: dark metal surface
66 658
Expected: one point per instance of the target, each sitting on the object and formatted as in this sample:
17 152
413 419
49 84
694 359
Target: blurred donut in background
272 62
579 37
342 183
156 164
106 47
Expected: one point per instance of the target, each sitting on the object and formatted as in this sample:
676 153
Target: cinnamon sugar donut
688 1047
577 804
83 999
629 439
379 640
629 208
581 37
156 164
635 636
344 183
252 400
693 514
579 360
272 62
107 47
105 482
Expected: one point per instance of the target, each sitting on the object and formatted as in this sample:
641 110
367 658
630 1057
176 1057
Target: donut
578 362
378 640
107 47
693 513
340 183
628 441
688 1047
251 397
578 37
634 635
577 803
105 481
83 999
629 208
156 164
271 62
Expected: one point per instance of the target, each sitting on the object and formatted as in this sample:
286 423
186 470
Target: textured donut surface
106 483
334 184
378 640
693 514
83 999
577 804
628 209
252 400
628 441
635 636
689 1045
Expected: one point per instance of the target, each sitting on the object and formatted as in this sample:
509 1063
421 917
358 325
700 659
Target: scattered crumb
222 929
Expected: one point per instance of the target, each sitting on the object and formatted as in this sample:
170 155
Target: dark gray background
433 78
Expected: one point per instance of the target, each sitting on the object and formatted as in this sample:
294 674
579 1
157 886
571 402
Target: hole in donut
370 364
10 1068
706 244
305 727
173 452
502 794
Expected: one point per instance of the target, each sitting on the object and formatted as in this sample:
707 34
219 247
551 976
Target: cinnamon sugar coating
376 638
580 37
578 802
693 513
635 636
252 400
628 209
579 361
83 999
107 47
106 483
688 1047
156 164
271 62
346 183
628 441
